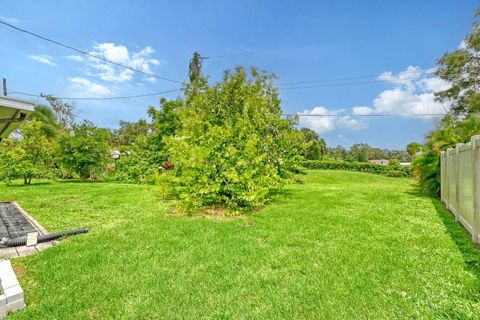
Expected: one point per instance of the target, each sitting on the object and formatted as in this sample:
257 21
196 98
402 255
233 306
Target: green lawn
343 245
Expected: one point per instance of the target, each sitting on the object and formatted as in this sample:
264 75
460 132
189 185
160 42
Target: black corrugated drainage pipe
7 242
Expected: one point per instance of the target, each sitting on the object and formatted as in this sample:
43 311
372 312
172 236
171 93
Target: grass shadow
23 185
459 235
281 195
78 181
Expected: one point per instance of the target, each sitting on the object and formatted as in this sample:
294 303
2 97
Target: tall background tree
461 68
314 147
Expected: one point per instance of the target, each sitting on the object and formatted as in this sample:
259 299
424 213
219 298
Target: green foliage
394 163
165 123
64 112
314 147
47 118
129 132
450 132
413 148
233 147
359 152
390 171
136 165
362 152
427 170
84 149
27 157
460 68
338 153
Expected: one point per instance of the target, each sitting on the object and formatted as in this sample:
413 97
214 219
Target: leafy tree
84 149
28 157
129 132
165 122
359 152
413 148
338 153
64 112
376 153
233 147
314 147
48 120
462 69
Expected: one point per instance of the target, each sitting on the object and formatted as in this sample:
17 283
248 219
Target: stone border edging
11 298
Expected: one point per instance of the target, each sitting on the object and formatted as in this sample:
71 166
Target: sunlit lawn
343 245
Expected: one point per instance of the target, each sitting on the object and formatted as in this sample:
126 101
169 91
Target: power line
356 37
98 98
375 76
180 89
364 115
341 84
86 53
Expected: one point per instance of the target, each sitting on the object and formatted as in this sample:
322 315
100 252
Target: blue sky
390 46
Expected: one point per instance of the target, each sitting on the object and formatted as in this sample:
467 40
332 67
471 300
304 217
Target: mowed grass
344 245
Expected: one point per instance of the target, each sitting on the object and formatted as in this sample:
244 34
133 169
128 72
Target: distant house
405 164
382 162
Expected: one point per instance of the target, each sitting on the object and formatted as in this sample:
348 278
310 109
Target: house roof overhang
12 112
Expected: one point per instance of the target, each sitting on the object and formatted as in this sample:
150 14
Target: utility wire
364 115
357 37
341 84
373 76
98 98
86 53
184 82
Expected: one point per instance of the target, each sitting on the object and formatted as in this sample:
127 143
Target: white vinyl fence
460 184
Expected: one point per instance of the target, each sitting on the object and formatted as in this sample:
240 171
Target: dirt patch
20 270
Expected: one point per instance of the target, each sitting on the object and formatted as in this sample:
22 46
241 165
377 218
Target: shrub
390 171
84 150
233 147
28 157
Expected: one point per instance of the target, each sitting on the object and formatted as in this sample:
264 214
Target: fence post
449 180
443 184
476 186
457 178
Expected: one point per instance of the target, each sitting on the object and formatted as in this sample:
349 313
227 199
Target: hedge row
389 171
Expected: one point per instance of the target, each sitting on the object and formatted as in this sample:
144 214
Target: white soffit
12 112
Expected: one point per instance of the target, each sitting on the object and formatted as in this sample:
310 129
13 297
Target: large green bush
84 150
27 157
233 147
390 171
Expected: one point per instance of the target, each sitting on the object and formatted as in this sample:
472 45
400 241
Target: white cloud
141 60
361 110
412 94
75 58
84 85
43 58
11 20
325 120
